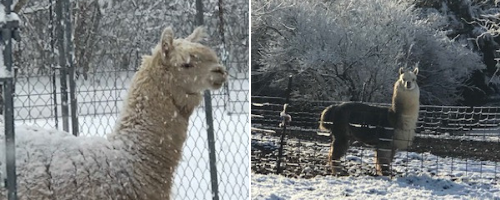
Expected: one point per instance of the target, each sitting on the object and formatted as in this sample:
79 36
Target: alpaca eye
187 65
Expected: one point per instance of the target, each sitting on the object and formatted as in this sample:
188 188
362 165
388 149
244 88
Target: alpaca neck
406 102
186 103
153 124
154 121
152 105
405 106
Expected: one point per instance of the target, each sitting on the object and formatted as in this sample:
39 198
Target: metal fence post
62 64
53 69
283 134
209 119
9 106
9 136
223 42
71 67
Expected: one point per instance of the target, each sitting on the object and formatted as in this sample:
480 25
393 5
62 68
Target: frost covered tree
491 26
487 39
111 35
466 21
351 50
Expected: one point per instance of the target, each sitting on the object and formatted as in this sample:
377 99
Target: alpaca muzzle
219 77
220 70
409 85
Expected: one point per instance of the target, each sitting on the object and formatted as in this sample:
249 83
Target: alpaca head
194 67
408 79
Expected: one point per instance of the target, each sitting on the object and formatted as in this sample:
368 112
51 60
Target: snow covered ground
274 187
426 176
98 112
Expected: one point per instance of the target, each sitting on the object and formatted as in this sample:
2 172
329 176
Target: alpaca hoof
384 173
339 171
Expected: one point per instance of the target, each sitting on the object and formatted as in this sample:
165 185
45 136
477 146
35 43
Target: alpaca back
363 122
52 164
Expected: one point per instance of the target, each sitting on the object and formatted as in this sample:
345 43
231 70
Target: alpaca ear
415 71
197 35
401 70
167 40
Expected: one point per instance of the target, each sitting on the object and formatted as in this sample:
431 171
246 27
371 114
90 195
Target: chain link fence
451 141
109 39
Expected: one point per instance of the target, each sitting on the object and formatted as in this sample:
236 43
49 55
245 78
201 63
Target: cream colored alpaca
138 159
163 95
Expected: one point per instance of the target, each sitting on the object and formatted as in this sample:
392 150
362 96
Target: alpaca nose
220 70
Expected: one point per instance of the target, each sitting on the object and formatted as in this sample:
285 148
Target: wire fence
451 141
117 35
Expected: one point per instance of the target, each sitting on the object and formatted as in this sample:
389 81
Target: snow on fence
451 141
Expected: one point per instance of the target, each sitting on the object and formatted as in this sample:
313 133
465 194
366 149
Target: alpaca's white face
199 69
408 79
195 67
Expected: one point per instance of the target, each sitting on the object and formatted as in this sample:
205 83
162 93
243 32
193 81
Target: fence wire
109 40
450 141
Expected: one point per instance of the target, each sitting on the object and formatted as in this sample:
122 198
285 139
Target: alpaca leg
338 148
383 159
330 158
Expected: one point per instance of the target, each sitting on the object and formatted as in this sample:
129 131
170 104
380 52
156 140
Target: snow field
417 176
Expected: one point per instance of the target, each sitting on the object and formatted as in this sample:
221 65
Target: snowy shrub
351 50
